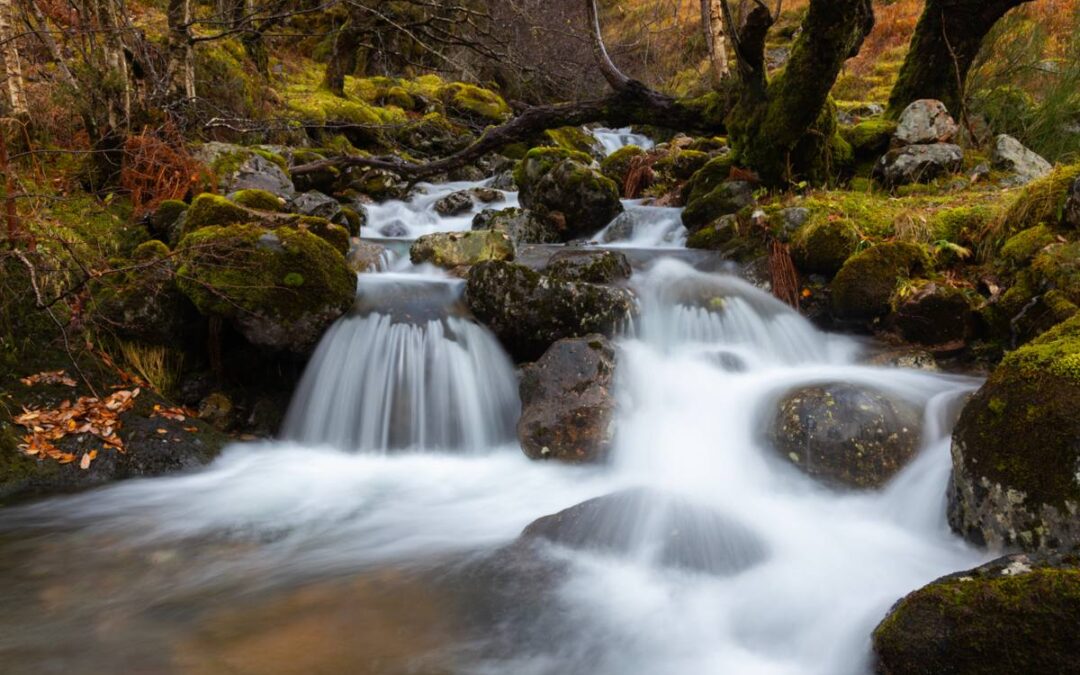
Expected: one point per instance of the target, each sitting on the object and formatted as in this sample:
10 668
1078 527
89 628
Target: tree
9 54
947 39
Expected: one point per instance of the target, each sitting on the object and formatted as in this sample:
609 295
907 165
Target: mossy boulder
163 224
239 167
522 225
529 311
918 164
616 165
280 288
679 164
869 139
568 401
574 138
260 200
1015 451
1042 202
933 314
1015 615
864 286
596 267
1021 248
709 177
730 237
822 245
474 103
459 249
562 187
846 435
209 210
727 198
1059 266
332 233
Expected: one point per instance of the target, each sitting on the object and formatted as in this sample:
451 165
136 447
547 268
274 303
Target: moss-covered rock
577 139
1018 614
529 311
332 233
822 245
470 101
1042 202
239 167
869 139
209 210
563 188
1015 455
522 225
280 288
1021 248
616 165
727 198
459 249
864 286
163 222
597 267
932 314
260 200
709 177
1059 266
680 164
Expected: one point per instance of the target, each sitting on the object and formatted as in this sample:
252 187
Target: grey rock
1011 155
918 163
926 121
313 203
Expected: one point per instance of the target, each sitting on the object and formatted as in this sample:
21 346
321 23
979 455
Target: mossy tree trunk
947 39
781 131
343 57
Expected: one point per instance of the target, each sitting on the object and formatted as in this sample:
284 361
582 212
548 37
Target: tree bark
947 39
9 53
712 23
343 56
180 72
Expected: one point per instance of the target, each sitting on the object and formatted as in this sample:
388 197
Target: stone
567 402
562 187
864 286
450 250
528 311
486 195
259 173
845 435
824 245
522 225
728 198
316 204
1011 155
918 163
926 121
1017 614
934 314
1016 460
454 204
791 219
597 267
366 256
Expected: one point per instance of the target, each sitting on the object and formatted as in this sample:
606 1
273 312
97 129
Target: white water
614 139
416 216
643 226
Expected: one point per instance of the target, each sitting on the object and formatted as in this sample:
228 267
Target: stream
373 537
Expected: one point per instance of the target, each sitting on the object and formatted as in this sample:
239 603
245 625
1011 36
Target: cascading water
416 216
614 139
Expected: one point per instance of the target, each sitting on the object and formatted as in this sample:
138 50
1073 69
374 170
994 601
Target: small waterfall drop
612 140
407 369
416 216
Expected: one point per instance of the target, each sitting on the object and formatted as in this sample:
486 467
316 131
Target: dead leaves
49 377
88 415
176 414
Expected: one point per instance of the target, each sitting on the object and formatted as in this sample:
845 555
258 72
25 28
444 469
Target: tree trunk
181 67
712 23
946 42
9 54
789 133
343 56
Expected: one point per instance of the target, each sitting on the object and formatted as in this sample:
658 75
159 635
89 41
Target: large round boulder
1011 155
459 249
864 286
280 288
529 311
1016 615
1016 449
562 186
567 402
845 435
822 245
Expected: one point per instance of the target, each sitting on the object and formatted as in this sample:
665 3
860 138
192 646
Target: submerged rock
563 188
1017 614
567 401
529 311
459 249
845 434
1016 459
597 267
926 121
672 531
918 163
1011 155
365 256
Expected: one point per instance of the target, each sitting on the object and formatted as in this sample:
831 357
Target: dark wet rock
597 267
675 532
394 230
467 174
1011 155
217 410
918 163
924 122
562 187
1015 615
164 224
726 360
458 249
934 314
568 403
504 181
523 226
317 204
486 195
529 311
728 198
864 286
1016 459
454 204
845 435
791 220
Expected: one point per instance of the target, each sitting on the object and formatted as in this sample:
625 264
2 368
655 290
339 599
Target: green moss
864 286
725 199
571 138
472 101
150 250
681 164
961 224
294 279
869 139
335 235
1042 202
1060 266
257 199
822 245
616 165
166 214
209 210
540 161
710 176
457 249
1022 247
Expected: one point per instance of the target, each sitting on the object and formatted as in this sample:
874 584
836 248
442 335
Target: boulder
486 195
522 225
313 203
924 122
1071 214
239 168
1015 452
864 286
845 435
1017 614
567 402
597 267
617 165
260 200
164 223
674 532
280 288
1011 155
454 204
563 188
823 245
727 198
933 314
918 163
458 249
791 221
365 256
529 311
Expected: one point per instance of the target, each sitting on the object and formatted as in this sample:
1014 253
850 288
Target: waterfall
614 139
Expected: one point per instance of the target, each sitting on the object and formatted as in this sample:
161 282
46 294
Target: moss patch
864 286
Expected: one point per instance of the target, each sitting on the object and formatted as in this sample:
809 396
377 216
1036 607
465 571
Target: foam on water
612 140
416 216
